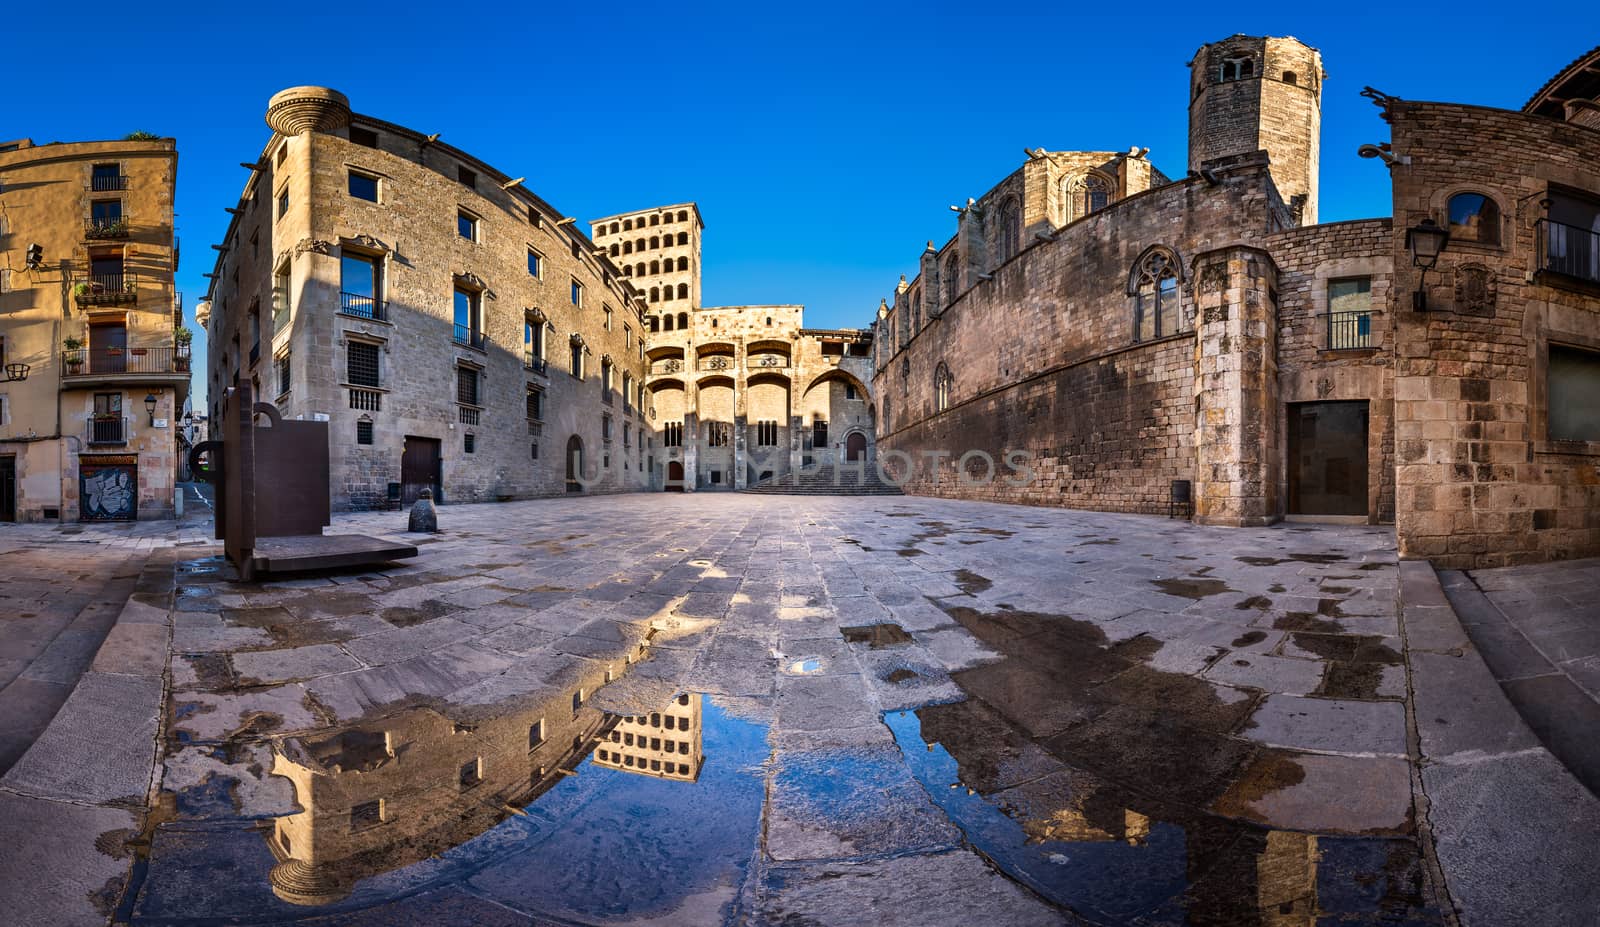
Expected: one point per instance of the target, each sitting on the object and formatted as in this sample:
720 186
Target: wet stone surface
794 710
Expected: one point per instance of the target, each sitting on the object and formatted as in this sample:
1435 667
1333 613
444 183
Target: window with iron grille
283 374
363 432
469 443
605 427
819 433
767 434
1350 313
535 405
467 386
362 363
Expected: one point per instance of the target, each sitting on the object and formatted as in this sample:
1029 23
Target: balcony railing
105 289
468 337
366 400
365 307
106 227
108 429
108 183
537 364
96 361
1569 250
1348 331
467 415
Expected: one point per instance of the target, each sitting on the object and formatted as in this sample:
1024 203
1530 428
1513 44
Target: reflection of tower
1286 880
664 743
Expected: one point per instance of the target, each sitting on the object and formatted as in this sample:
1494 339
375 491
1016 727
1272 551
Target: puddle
805 666
971 583
1192 588
586 818
876 636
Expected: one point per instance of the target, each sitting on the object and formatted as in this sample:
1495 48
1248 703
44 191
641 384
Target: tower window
1289 77
1238 68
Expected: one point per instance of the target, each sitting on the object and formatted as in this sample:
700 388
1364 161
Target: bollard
424 518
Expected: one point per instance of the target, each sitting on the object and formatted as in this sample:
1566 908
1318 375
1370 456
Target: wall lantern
150 406
1425 241
15 373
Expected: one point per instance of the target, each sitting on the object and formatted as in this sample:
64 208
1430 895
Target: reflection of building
1139 341
1286 880
92 373
664 743
739 393
387 793
1073 825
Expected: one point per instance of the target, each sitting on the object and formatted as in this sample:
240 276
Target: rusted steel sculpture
272 493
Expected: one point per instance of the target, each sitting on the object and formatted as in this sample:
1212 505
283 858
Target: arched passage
574 464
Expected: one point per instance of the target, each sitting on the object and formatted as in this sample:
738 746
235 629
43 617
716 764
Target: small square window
536 733
364 187
467 225
535 218
364 137
469 443
471 773
467 176
535 263
363 432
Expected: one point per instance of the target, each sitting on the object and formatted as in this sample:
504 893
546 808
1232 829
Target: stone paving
914 710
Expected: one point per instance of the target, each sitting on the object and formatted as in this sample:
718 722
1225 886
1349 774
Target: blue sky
823 143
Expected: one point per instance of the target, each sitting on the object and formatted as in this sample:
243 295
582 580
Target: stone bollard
424 518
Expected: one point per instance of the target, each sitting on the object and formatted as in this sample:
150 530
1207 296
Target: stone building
95 372
666 744
737 394
457 332
1097 336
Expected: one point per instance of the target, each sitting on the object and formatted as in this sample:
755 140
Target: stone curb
89 773
1511 827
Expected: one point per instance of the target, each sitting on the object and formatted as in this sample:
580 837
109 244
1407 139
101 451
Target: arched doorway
574 464
855 446
674 476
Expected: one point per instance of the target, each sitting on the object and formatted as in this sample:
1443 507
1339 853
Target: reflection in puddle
579 814
805 666
1082 844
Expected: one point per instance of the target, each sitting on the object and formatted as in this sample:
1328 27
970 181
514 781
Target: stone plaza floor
708 709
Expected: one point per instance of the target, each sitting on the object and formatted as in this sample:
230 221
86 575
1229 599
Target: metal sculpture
272 493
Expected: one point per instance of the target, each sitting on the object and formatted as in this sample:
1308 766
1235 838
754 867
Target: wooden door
674 476
855 446
108 348
419 468
1328 458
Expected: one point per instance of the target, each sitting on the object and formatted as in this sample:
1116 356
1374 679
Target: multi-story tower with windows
456 331
659 252
663 743
96 364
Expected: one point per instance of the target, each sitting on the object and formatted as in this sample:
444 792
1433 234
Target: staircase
828 480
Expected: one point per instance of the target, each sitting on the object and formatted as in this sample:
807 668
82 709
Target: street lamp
150 406
1425 241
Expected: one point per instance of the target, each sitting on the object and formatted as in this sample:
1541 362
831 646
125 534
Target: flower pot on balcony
181 362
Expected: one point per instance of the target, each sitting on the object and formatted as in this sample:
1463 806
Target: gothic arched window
941 388
1154 287
916 310
1085 194
1010 232
952 279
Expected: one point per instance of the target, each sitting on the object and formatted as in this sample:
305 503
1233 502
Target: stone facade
1286 372
436 313
95 374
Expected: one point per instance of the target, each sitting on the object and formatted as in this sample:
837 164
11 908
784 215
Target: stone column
1236 376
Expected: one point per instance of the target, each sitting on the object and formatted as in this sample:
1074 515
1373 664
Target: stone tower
1247 94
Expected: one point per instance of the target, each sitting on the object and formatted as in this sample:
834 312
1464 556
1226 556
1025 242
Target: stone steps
827 481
